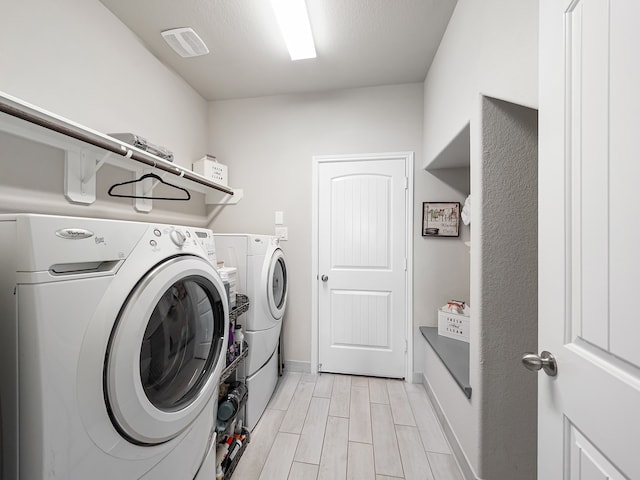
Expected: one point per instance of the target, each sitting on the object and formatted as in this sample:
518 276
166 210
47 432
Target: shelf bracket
144 189
80 175
91 174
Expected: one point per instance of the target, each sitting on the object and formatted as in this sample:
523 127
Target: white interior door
362 266
589 425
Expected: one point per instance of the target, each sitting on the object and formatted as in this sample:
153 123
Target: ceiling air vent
185 42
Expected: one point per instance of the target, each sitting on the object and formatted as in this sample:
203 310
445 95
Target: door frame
408 158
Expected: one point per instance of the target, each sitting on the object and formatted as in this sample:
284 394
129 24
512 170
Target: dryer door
165 352
277 284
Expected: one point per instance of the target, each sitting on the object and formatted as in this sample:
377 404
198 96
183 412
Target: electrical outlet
282 233
279 218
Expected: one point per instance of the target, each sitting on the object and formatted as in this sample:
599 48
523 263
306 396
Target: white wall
75 59
491 48
268 144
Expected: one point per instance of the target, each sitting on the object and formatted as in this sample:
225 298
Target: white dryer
112 342
262 276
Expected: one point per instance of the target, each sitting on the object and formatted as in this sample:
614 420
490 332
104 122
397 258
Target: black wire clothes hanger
152 176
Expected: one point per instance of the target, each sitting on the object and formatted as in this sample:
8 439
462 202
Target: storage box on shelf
231 435
453 325
209 167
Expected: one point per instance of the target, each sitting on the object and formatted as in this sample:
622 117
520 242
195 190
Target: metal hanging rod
24 112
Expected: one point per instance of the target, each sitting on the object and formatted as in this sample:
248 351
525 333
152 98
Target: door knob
546 361
324 278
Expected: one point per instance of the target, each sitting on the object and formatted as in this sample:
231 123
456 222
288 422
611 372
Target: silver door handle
324 278
546 361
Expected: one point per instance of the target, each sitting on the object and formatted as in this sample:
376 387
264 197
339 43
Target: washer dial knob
177 237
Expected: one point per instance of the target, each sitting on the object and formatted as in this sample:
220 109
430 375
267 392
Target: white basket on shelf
453 325
210 168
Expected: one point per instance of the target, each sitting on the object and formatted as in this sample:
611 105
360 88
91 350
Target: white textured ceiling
359 43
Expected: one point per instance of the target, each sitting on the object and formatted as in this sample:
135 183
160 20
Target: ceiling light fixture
185 42
293 20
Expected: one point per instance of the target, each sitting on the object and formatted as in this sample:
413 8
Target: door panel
360 319
362 254
360 223
589 425
624 174
587 463
588 120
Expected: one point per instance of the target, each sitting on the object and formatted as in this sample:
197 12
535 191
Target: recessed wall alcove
500 144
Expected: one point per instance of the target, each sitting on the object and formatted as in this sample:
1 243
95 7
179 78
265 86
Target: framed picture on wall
441 219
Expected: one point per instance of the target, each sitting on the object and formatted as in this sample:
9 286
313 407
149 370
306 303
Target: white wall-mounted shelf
87 150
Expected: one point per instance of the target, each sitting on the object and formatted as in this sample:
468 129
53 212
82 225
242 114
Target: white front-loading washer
112 342
262 276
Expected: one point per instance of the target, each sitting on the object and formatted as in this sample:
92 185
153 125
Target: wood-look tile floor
334 427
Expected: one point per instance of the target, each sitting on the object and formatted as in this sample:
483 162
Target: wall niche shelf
87 150
456 154
454 355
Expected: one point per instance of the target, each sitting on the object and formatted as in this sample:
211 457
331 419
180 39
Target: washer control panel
185 238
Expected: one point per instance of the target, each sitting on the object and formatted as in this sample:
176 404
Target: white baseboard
456 449
295 366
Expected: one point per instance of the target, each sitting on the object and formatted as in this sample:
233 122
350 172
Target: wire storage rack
227 430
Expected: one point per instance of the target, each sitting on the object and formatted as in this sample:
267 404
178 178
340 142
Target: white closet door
362 266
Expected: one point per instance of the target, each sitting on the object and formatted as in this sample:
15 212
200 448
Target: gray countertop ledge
454 355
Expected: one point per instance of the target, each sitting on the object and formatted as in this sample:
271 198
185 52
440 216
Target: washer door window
176 356
277 284
163 357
